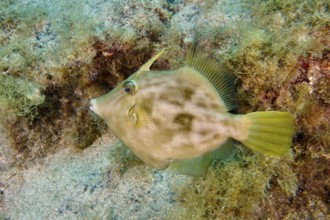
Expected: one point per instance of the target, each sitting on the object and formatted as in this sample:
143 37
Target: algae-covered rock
20 95
58 161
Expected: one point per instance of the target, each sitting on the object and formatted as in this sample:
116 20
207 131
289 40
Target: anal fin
198 166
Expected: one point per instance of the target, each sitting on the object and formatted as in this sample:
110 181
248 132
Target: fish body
174 116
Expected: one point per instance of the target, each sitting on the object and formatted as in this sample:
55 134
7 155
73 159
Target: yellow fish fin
215 74
147 65
270 132
198 166
142 118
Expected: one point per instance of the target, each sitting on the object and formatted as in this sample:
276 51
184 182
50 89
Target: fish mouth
92 106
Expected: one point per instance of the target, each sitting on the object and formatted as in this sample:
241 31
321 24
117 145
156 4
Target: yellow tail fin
270 132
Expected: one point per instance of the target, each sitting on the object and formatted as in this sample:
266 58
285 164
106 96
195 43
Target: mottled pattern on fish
179 115
189 118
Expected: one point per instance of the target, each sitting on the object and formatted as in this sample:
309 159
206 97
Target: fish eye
129 87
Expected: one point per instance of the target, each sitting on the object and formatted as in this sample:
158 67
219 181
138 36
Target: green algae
281 61
234 190
70 63
278 50
20 96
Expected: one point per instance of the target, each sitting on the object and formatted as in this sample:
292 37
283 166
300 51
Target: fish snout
92 106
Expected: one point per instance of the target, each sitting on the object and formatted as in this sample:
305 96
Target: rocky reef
59 161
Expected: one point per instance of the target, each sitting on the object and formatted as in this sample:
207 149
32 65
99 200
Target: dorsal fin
198 166
211 70
147 65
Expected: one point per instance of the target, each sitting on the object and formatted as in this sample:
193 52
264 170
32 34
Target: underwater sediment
59 161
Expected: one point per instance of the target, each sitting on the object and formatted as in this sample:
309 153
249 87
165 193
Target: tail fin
270 132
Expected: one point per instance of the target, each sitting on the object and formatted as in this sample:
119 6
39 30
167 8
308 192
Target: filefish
182 117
